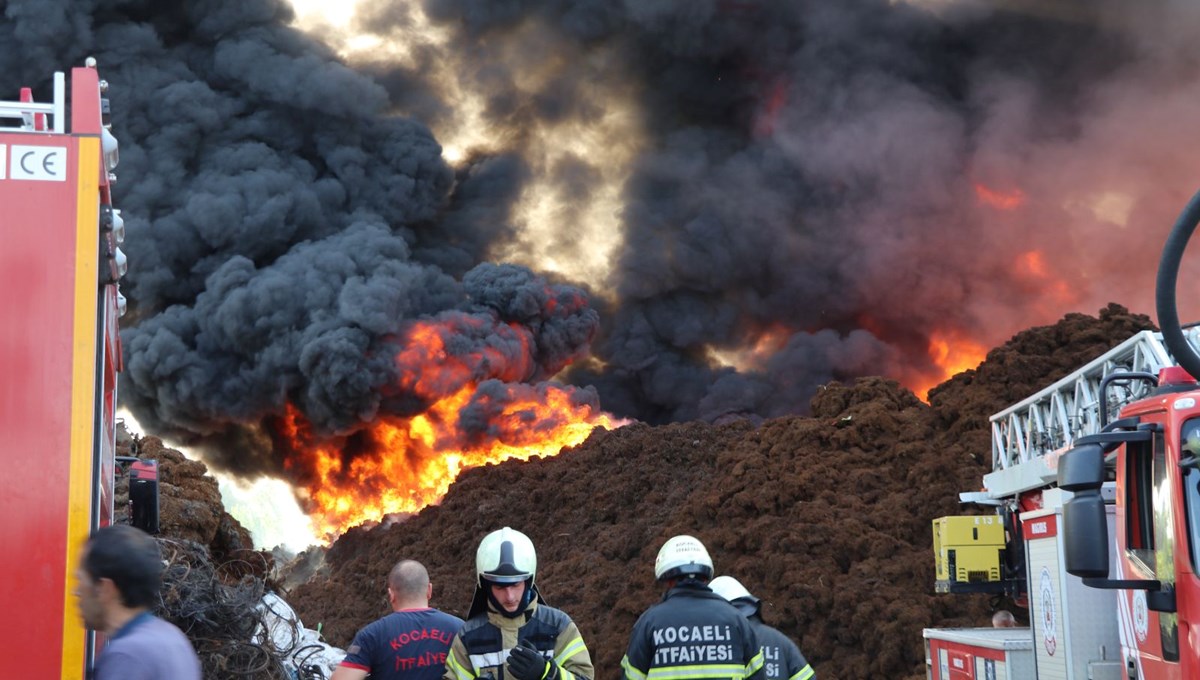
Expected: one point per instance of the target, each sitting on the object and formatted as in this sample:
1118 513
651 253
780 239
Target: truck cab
1153 453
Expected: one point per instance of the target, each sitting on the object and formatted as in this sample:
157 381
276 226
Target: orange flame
1031 270
952 353
764 344
1000 200
402 464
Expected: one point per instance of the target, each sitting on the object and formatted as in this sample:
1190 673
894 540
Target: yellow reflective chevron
755 664
459 672
630 672
574 647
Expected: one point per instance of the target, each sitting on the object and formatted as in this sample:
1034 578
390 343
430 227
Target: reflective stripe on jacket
693 634
482 647
782 659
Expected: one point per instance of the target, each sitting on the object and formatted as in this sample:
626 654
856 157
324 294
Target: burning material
952 353
1032 271
461 403
697 170
1000 200
400 465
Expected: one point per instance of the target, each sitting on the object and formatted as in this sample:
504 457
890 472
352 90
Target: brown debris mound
827 518
190 507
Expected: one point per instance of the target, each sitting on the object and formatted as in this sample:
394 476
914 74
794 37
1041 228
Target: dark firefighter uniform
693 634
482 647
782 659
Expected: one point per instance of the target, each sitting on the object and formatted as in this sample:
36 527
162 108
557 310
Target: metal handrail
26 111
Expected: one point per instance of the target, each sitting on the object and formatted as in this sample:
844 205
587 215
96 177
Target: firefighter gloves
526 663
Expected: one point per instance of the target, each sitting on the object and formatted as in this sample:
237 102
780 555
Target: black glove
526 663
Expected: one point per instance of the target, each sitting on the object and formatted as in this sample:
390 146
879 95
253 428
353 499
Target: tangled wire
222 611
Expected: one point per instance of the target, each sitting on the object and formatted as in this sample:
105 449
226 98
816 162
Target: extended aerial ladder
1028 437
1027 440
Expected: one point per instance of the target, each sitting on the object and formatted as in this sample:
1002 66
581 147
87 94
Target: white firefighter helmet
731 589
506 556
683 556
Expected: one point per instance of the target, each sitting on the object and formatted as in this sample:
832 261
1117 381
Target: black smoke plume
809 172
830 170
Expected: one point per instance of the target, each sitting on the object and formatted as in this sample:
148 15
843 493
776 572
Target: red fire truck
1097 484
59 355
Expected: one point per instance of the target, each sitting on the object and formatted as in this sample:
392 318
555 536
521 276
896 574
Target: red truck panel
49 340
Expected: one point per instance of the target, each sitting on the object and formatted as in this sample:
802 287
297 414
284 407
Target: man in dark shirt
119 577
782 659
408 644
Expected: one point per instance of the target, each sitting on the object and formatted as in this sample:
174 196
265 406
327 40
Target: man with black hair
408 644
119 576
693 633
510 632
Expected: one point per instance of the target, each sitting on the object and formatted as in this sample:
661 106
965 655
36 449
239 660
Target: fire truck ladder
31 115
1028 437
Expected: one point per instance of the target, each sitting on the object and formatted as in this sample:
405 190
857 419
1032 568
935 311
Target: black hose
1164 295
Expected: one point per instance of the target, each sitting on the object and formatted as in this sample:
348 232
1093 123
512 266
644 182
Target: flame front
1000 200
952 352
401 464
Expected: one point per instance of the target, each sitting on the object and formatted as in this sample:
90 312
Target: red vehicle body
59 354
1157 535
1097 482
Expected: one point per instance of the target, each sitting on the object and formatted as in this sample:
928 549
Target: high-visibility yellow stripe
458 669
755 664
631 672
83 391
574 647
803 674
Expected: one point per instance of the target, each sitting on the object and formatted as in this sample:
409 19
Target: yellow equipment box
967 548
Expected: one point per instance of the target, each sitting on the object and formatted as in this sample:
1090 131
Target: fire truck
1096 482
60 353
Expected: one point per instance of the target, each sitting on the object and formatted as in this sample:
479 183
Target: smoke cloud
709 208
860 177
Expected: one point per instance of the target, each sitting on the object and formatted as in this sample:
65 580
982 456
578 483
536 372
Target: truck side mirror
1081 468
1085 535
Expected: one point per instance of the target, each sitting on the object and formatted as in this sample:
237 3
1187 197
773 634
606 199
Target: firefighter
692 633
782 659
510 631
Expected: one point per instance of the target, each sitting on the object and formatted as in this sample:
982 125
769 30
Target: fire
401 464
952 353
760 348
1032 270
1000 200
